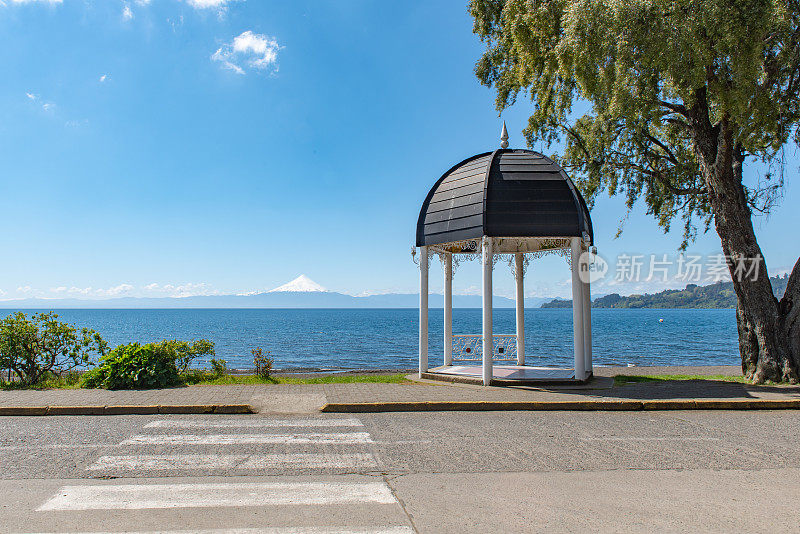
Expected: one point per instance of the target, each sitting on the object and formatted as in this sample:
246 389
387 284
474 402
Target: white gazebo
514 205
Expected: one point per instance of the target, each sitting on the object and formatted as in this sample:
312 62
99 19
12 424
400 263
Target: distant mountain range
718 295
299 293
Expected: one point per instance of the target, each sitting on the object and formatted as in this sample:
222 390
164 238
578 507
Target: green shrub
68 380
186 352
263 364
135 366
219 368
41 347
154 365
196 376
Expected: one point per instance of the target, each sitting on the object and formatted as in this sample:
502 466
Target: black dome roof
505 193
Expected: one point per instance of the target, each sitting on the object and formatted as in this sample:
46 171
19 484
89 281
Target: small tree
263 363
36 347
185 352
681 95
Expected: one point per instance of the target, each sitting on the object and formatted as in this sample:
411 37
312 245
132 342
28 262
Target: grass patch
210 380
67 381
620 380
201 377
397 378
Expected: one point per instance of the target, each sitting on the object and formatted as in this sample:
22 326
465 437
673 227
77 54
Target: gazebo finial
504 137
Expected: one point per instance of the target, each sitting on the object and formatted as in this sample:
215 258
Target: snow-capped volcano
301 284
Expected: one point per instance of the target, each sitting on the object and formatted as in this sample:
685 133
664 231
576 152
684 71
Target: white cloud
223 58
470 290
80 291
176 290
127 14
386 291
116 290
189 289
46 106
208 4
248 49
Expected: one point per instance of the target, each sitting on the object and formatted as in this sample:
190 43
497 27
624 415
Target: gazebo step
504 375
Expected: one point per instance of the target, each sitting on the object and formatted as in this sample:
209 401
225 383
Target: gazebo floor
503 374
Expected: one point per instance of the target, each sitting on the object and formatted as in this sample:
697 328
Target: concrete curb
588 405
128 410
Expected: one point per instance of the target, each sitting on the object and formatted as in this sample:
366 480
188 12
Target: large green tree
667 101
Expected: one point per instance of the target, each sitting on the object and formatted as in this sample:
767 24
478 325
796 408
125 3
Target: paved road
398 472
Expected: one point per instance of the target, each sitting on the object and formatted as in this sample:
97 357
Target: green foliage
197 376
263 364
558 303
396 378
68 380
208 379
621 380
135 366
719 295
41 347
204 377
219 368
154 365
186 352
666 82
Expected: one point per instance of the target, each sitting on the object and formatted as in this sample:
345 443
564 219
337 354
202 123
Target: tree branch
578 139
680 109
662 146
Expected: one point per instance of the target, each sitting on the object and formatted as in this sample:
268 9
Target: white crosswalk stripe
302 446
235 461
194 434
154 496
256 423
300 460
233 439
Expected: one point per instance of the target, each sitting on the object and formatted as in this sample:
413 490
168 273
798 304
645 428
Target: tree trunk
756 367
769 330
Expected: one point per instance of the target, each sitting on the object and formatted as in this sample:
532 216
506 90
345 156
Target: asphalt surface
712 471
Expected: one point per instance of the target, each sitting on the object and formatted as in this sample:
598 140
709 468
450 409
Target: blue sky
168 147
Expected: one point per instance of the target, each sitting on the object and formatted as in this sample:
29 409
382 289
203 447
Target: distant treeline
719 295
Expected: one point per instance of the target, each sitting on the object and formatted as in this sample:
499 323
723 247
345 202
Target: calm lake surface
387 338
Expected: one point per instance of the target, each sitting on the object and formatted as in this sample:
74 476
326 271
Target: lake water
387 338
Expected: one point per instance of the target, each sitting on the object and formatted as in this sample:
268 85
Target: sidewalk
599 394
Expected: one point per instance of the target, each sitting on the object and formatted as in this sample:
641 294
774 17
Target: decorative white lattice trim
469 347
532 248
466 250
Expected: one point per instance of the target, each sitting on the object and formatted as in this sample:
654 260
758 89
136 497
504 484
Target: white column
448 309
423 310
577 311
488 341
587 328
519 275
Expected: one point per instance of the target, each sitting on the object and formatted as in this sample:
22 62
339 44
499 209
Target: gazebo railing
469 347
